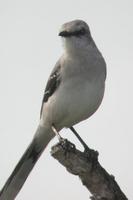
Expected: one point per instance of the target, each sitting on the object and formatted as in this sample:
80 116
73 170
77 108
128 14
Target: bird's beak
65 34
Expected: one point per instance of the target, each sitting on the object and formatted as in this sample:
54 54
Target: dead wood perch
97 180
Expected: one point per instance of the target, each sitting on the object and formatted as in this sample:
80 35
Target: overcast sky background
29 48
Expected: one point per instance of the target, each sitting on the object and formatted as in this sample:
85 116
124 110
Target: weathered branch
97 180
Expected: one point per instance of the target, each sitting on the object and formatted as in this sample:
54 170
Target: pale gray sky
29 48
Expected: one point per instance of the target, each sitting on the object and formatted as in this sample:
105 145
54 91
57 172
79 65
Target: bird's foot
67 146
64 143
91 154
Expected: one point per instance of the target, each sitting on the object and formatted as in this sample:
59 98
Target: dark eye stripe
78 33
74 33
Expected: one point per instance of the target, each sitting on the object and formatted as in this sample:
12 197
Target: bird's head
76 35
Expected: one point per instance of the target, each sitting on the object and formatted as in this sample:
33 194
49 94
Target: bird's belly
75 105
85 103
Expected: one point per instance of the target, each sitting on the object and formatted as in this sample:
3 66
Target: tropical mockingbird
73 93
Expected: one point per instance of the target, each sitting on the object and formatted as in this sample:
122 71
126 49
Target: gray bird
74 92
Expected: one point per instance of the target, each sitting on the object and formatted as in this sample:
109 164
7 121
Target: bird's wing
52 84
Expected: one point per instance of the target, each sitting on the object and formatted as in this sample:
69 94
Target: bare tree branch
85 164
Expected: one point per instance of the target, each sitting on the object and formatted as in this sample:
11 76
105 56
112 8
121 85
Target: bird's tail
18 177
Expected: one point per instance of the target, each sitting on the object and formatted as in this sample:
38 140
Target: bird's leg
90 153
66 145
57 133
80 139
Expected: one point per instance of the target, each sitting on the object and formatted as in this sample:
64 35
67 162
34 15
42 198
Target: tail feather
26 164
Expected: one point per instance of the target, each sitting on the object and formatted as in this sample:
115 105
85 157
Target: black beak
65 34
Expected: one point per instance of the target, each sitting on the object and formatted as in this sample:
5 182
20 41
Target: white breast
78 96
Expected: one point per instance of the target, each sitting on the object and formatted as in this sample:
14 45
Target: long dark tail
18 177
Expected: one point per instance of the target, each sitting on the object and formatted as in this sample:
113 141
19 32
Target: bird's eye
80 32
